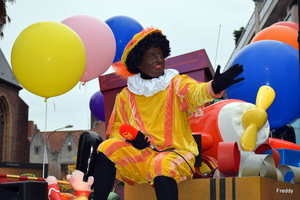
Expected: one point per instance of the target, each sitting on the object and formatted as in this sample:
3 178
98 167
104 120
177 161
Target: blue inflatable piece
287 157
272 63
123 28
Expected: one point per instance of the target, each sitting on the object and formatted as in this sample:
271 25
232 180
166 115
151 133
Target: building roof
58 138
99 128
6 72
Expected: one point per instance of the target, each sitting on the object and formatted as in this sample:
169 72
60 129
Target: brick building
14 144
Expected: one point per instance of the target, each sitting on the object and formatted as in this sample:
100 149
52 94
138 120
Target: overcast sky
190 25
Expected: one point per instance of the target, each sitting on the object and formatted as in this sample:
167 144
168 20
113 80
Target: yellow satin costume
164 119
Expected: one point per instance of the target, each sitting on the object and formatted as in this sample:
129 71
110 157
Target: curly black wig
135 57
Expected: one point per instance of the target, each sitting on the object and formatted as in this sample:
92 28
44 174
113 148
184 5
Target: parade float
238 159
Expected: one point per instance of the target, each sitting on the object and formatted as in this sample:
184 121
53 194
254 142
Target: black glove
140 141
226 79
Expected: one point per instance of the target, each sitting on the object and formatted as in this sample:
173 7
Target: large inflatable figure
233 130
237 121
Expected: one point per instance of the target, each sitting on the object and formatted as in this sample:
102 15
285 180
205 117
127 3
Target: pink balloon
99 43
289 24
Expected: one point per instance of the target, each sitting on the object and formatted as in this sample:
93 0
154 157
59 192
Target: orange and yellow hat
121 67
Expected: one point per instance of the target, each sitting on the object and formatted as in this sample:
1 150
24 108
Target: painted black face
153 63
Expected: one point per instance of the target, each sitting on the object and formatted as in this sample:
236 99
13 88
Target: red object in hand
128 131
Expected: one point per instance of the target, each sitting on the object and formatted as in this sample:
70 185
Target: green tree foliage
4 18
68 188
237 34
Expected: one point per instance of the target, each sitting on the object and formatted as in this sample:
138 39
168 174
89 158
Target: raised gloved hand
226 79
140 141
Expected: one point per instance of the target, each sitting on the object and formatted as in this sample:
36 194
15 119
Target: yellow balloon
48 58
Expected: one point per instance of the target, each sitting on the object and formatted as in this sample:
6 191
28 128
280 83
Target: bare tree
4 18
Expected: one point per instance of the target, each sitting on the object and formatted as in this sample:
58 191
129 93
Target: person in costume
157 102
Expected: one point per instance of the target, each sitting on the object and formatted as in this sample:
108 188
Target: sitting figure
156 102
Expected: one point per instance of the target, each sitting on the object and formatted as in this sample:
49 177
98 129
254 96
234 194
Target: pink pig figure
81 187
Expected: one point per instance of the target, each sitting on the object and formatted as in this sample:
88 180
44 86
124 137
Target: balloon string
54 106
217 47
46 116
45 150
86 103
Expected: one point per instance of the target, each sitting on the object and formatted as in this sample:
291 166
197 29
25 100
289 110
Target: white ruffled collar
145 87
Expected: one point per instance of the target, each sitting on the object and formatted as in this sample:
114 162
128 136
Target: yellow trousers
142 166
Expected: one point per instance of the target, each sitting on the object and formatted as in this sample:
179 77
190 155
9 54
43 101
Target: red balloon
289 24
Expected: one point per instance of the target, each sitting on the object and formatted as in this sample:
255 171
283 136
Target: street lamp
47 141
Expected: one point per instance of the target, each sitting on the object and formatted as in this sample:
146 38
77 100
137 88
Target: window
36 149
64 169
69 146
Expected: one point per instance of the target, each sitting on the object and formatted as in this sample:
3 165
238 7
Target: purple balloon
97 105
